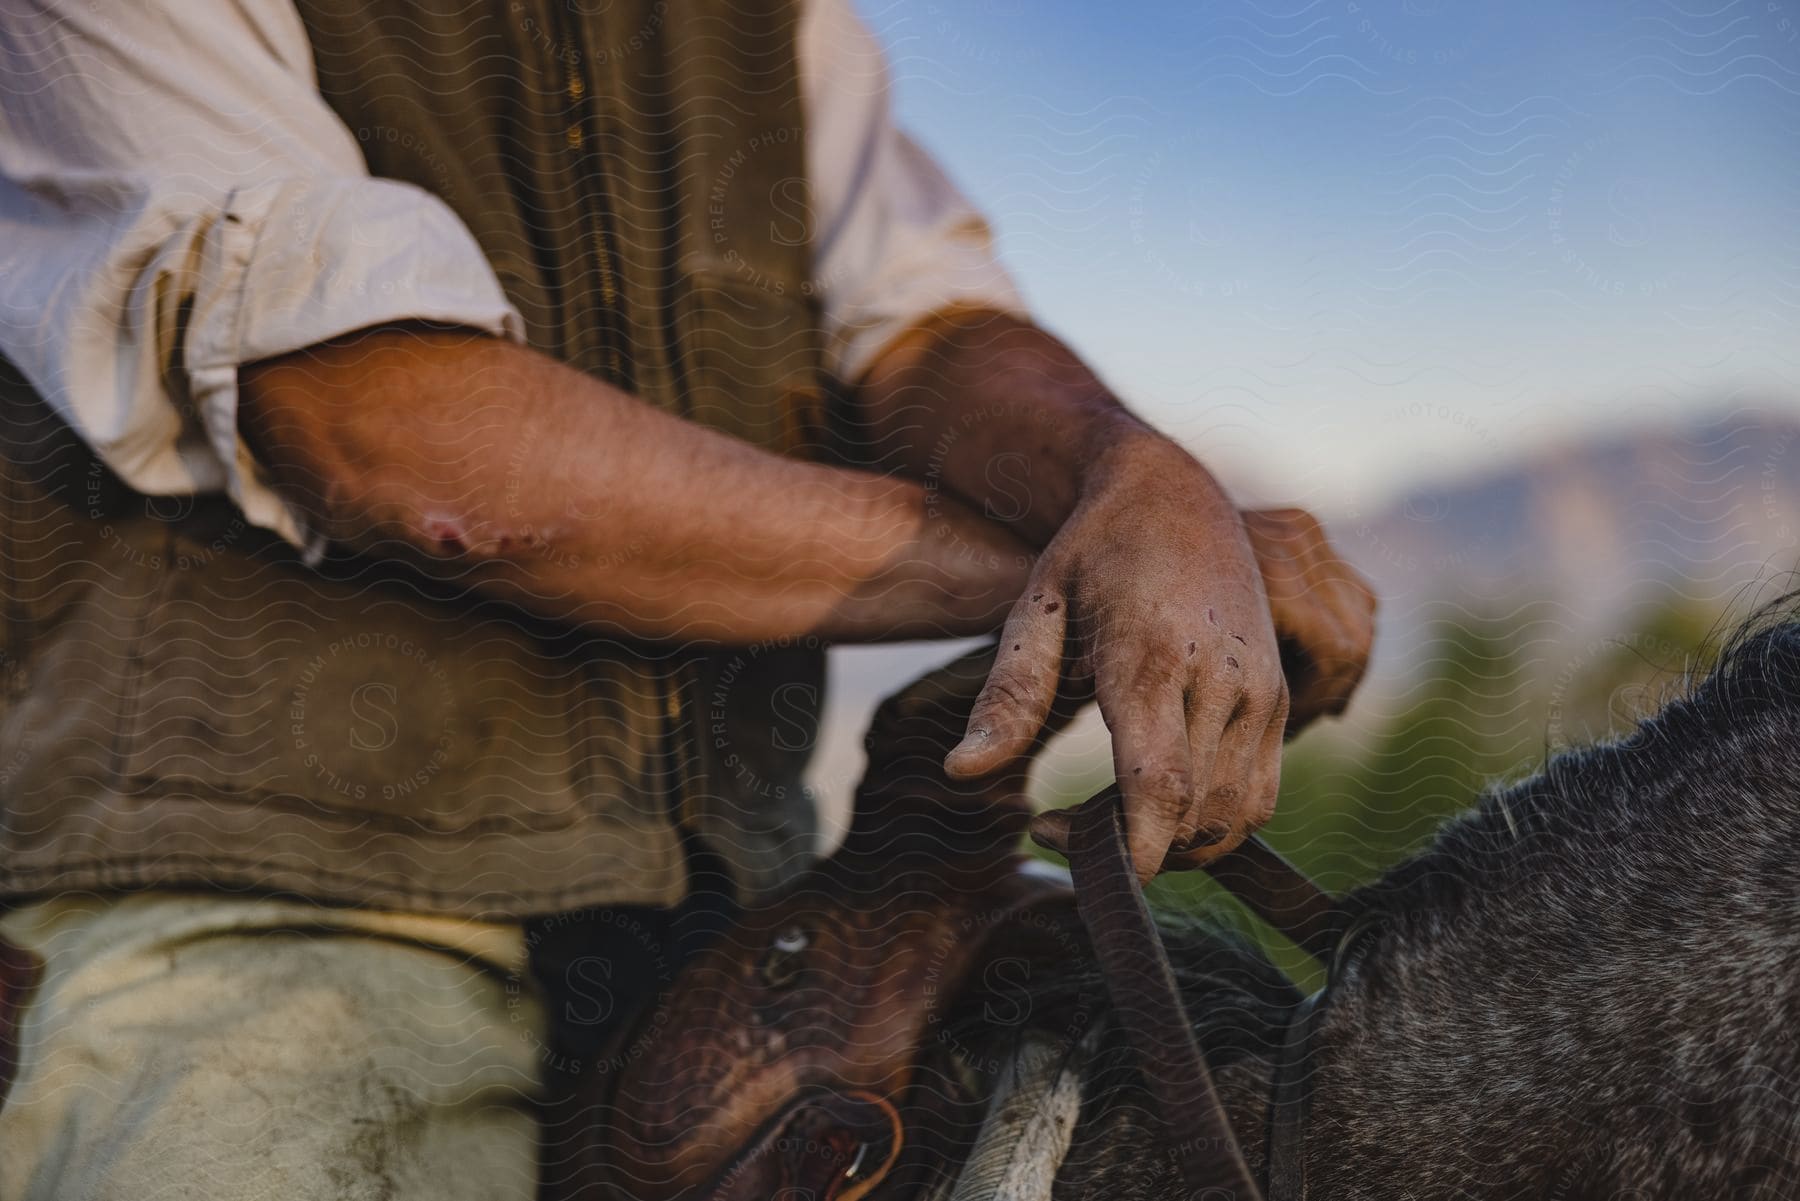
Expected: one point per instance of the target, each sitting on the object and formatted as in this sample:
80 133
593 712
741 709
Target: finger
1262 775
1016 700
1151 759
1265 776
1324 677
1211 707
1054 828
1224 733
1051 829
1282 551
1339 675
1264 788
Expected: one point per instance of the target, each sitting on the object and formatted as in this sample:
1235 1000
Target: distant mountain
1592 529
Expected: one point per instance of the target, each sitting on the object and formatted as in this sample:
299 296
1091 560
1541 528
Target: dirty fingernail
974 738
972 742
1209 835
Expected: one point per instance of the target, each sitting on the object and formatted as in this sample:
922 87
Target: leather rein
1144 992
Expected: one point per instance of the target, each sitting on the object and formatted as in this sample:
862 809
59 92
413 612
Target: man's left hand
1324 611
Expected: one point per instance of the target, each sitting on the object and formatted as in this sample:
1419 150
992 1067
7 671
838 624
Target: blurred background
1507 293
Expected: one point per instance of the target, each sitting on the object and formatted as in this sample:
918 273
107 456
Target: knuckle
1158 663
1225 799
1284 706
1340 686
1232 665
1353 607
1164 786
1263 677
1262 811
1342 671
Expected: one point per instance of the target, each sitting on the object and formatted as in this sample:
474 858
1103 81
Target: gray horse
1588 987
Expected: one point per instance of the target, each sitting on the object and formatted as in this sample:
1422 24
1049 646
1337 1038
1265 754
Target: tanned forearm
998 412
500 466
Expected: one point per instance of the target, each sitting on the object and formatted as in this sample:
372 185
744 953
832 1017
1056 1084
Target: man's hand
1324 611
1150 591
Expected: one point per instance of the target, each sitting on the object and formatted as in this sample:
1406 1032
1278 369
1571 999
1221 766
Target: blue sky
1341 246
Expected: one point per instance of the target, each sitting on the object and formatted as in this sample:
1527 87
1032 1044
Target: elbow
453 535
391 513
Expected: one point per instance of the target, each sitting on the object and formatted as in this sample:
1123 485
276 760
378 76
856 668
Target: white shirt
176 200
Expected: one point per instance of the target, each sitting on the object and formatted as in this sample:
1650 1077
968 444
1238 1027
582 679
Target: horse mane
1584 986
1726 746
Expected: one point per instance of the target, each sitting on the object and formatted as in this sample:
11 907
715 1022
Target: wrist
877 520
976 567
1133 457
953 575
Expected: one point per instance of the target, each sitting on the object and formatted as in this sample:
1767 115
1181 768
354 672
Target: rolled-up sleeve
895 240
176 200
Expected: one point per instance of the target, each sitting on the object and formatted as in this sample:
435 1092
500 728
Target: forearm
538 483
999 413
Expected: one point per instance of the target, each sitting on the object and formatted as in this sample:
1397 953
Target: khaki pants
188 1045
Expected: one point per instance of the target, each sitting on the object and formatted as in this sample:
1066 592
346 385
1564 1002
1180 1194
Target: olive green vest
186 703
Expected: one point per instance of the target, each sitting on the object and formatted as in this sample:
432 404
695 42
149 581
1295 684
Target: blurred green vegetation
1489 700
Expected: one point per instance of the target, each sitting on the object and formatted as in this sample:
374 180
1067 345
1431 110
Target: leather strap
1148 1001
1290 1099
1283 896
1143 989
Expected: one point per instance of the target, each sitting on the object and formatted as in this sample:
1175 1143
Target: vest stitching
131 676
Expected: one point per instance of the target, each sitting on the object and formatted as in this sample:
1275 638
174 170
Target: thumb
1020 690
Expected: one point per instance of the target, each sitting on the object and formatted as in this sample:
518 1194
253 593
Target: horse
1586 987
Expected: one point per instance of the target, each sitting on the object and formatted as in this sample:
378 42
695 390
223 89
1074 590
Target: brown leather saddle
808 1053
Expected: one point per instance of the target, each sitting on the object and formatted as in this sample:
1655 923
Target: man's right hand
1323 613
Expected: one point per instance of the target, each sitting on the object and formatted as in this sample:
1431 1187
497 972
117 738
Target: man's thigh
187 1045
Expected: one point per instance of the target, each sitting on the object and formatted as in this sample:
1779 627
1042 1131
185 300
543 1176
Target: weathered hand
1324 611
1149 593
